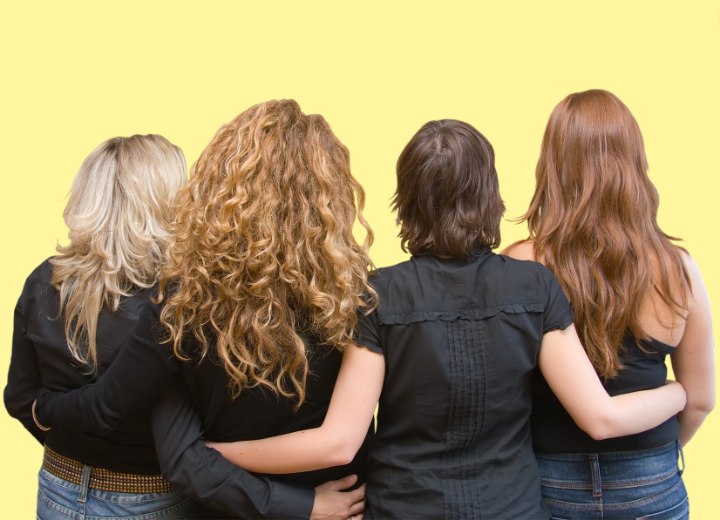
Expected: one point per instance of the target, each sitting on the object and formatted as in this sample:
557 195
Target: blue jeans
60 499
643 484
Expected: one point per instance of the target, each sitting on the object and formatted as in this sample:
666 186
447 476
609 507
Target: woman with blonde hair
636 297
450 351
259 297
77 311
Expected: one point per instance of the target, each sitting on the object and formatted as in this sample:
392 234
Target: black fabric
40 358
461 340
554 431
185 462
141 372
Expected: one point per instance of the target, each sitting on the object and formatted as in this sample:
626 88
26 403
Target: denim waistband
611 469
668 449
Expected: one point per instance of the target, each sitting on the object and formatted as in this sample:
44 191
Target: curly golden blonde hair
263 257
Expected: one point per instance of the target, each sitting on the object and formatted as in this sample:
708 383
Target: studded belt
104 479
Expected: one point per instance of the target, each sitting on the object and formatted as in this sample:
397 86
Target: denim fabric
644 484
60 499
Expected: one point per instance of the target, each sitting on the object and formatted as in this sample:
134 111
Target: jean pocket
679 511
153 506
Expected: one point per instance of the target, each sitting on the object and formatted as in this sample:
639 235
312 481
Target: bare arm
599 415
207 476
694 358
335 442
572 378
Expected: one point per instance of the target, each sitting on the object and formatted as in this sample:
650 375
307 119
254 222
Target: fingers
356 510
340 484
356 495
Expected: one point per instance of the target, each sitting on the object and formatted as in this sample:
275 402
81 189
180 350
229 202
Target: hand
333 503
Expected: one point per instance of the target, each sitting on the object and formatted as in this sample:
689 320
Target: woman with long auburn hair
259 296
450 352
77 311
636 298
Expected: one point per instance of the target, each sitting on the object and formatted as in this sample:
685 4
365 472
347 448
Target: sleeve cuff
291 502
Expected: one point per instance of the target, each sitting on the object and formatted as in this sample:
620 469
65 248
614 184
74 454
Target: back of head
118 216
264 255
593 218
447 200
592 167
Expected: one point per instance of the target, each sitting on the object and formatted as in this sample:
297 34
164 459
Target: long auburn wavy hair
118 215
263 256
593 219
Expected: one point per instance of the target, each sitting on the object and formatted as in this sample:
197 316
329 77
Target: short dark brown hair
447 199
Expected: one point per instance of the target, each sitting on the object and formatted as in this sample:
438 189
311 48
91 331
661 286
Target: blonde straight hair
118 216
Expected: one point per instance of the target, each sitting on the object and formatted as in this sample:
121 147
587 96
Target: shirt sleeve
558 313
24 376
139 374
207 476
368 331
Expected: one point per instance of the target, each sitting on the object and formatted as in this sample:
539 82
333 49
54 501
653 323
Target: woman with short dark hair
450 352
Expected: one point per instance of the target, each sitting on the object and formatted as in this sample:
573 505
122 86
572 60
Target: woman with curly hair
637 298
450 352
77 311
259 297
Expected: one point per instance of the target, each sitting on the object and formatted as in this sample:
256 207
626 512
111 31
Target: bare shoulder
690 264
521 250
697 286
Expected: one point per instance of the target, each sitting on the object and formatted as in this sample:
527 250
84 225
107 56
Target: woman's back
262 251
77 312
658 319
636 297
131 449
461 340
449 353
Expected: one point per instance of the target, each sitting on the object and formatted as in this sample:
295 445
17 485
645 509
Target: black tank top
554 431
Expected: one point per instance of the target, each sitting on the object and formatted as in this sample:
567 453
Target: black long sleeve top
41 358
147 367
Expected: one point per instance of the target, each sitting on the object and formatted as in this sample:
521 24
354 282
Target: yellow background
75 73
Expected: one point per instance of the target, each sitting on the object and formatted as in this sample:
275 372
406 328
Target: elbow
12 410
703 405
599 431
599 427
341 452
13 404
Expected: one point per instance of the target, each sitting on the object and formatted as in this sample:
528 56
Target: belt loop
595 472
84 484
682 457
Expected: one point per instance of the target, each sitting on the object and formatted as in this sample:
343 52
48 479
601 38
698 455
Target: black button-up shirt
461 340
